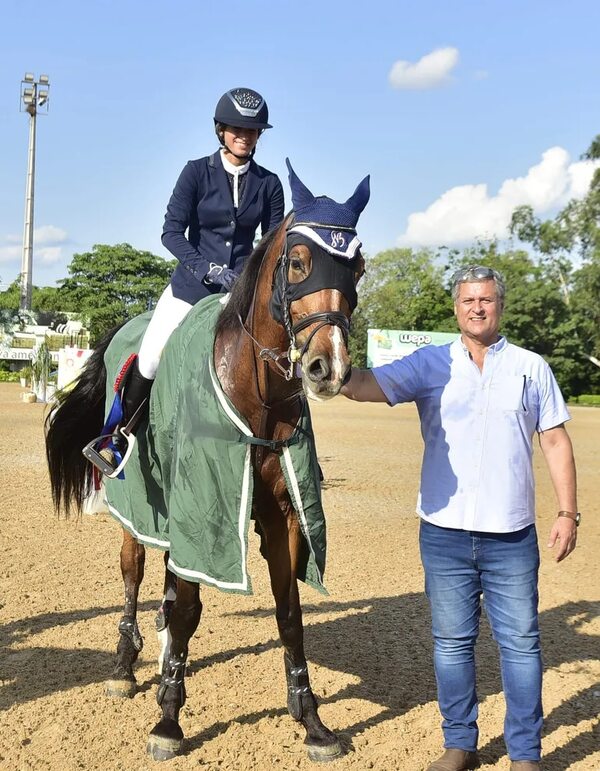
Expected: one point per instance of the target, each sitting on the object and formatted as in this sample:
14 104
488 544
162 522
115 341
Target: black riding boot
135 399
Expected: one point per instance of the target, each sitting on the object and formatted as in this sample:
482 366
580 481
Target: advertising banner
70 362
385 345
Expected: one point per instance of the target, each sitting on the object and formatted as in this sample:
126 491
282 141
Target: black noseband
326 318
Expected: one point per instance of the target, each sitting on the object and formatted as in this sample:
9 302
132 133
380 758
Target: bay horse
279 337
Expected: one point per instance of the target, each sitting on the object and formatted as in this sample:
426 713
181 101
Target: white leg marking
164 640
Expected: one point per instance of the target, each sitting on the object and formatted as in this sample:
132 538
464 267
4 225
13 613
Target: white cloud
10 253
49 255
49 234
430 71
47 248
469 212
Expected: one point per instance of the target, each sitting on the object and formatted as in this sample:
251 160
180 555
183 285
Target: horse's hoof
162 747
121 689
323 753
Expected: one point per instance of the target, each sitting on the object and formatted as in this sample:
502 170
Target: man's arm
558 452
363 387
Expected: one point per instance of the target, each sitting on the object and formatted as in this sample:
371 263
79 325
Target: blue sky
458 111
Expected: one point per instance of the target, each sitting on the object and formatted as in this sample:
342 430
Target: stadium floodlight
31 101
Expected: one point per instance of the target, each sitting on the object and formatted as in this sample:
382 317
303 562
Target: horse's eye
297 264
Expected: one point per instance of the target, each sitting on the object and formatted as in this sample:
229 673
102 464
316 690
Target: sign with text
385 345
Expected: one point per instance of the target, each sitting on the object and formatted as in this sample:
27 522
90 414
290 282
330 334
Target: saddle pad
189 482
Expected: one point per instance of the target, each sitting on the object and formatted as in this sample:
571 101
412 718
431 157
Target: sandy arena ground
368 643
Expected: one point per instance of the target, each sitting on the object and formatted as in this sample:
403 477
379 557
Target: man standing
480 401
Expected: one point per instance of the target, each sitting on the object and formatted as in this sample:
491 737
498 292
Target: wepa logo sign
414 338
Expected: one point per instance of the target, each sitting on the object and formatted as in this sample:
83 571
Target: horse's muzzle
322 378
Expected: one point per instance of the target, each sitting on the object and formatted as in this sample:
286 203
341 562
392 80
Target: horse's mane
242 293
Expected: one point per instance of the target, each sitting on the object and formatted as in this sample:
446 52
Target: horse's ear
360 197
301 195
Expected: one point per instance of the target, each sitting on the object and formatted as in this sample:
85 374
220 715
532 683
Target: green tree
113 283
45 298
10 298
401 289
573 233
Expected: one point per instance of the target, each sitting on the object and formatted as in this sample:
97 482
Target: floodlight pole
31 99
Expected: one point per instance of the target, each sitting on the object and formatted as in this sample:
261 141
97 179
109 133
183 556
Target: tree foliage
113 283
573 236
401 289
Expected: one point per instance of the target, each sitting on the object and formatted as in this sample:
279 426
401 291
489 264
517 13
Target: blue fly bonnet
331 229
329 224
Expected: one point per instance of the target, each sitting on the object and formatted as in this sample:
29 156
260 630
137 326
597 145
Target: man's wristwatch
575 517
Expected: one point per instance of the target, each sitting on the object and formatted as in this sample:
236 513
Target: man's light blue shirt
478 428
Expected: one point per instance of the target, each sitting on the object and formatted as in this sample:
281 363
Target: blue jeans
460 566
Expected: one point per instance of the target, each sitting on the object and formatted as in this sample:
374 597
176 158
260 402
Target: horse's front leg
122 682
166 738
164 614
285 542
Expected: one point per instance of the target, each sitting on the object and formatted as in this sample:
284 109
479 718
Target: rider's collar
230 168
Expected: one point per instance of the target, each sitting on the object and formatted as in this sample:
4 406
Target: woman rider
220 200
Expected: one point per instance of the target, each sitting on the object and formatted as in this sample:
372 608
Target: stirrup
103 463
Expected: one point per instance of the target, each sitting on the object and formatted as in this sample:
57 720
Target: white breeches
168 314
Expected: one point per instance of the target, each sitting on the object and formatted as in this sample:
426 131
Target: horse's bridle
280 306
293 354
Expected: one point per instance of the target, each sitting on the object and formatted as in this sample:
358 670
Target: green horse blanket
189 482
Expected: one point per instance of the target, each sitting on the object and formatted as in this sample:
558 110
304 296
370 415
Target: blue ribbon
115 416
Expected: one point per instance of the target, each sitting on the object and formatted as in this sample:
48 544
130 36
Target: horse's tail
76 420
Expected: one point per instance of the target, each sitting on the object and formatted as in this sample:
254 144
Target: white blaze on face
338 348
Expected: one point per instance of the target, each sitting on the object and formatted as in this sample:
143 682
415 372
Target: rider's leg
168 314
135 396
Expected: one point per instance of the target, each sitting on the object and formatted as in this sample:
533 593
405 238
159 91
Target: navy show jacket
202 203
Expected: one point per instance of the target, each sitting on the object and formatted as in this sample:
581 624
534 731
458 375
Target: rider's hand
227 278
220 275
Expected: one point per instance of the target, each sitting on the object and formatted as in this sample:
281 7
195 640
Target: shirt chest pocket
509 393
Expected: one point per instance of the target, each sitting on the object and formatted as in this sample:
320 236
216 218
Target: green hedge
588 400
9 377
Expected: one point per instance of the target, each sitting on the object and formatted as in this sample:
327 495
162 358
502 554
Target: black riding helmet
242 108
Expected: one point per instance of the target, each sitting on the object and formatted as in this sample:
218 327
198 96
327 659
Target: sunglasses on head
473 272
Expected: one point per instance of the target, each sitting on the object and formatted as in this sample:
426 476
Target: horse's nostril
318 369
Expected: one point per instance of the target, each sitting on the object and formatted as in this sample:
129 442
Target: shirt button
232 223
227 243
